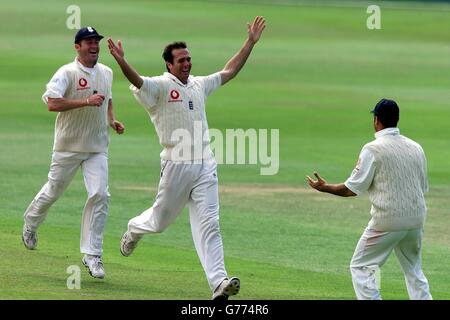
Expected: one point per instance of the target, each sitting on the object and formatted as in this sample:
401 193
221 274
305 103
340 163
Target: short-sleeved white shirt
57 86
81 129
174 106
362 176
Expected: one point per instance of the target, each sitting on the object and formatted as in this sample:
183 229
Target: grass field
315 75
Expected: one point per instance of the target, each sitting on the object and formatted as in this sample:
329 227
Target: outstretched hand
316 184
116 51
256 28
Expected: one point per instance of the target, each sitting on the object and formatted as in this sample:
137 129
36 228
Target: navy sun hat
386 110
87 32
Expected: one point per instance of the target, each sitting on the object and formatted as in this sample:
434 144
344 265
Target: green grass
314 76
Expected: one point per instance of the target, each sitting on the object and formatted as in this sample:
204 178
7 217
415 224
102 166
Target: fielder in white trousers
194 184
392 169
372 251
64 165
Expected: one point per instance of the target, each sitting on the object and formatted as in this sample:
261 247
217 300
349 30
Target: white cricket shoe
29 238
94 265
127 244
228 287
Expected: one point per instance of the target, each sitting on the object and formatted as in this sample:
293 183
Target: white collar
86 69
175 79
387 131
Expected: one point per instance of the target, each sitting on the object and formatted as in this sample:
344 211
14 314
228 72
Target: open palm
256 28
116 50
316 184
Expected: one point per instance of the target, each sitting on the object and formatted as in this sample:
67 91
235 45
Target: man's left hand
117 126
255 29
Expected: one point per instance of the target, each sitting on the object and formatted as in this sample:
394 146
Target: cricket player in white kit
393 170
175 102
81 94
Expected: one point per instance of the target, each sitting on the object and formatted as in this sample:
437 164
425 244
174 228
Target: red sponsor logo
83 84
174 94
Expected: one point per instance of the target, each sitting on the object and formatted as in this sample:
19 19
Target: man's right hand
129 72
116 51
95 100
318 184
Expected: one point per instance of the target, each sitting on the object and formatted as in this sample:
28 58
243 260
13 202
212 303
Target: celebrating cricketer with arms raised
176 101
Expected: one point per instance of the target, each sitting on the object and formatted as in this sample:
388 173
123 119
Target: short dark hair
388 123
167 53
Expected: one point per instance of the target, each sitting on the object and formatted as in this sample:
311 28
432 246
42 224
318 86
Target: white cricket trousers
372 251
194 184
64 165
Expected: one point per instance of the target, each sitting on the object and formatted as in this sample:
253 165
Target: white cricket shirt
178 113
83 129
392 168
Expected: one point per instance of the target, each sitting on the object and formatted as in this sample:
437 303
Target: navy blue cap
87 32
387 112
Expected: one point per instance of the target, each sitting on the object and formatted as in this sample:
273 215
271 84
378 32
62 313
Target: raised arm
336 189
236 63
118 53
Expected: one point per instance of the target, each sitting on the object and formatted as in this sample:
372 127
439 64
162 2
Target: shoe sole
122 253
89 270
121 250
32 248
231 289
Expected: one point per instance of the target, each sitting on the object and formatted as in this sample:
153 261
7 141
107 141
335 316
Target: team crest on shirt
174 96
83 84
